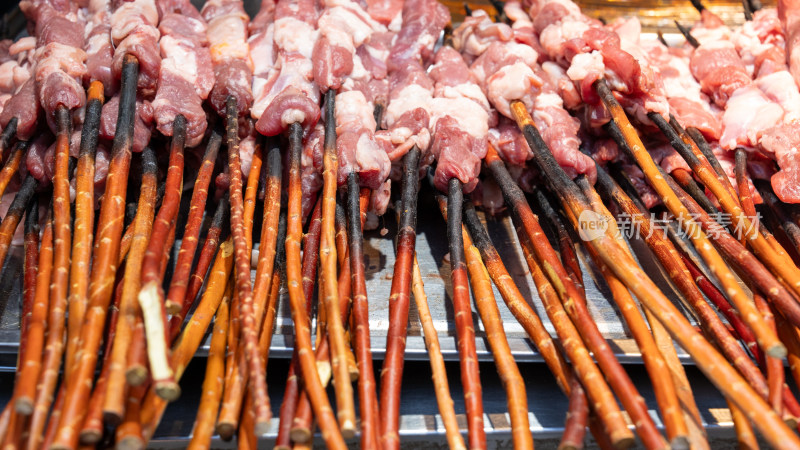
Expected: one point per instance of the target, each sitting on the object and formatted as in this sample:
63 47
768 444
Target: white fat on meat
292 35
512 82
127 17
469 91
584 64
227 37
291 116
409 98
347 26
747 115
354 111
179 58
471 116
554 36
780 88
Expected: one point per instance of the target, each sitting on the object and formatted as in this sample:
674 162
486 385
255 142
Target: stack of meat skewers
112 110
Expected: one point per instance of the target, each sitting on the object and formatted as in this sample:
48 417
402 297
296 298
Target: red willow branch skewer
130 311
585 369
104 265
368 399
773 366
294 275
664 388
176 296
517 398
13 217
441 386
212 384
724 377
778 262
566 247
292 394
767 339
465 328
236 377
220 286
84 220
341 377
249 330
676 262
25 390
787 223
399 302
151 293
92 429
207 252
7 135
12 165
59 280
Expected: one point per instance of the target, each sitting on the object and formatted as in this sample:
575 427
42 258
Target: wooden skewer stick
368 400
787 221
104 265
292 394
258 381
774 366
688 35
176 296
676 262
59 280
774 258
590 376
220 287
443 398
663 387
566 247
31 366
151 293
84 221
212 384
516 396
92 429
465 328
627 138
707 358
399 301
207 252
12 165
327 256
13 217
130 310
7 135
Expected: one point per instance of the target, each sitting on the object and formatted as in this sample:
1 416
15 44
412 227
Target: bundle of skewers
322 115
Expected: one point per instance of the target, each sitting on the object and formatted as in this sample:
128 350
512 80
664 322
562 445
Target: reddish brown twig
294 275
577 419
207 252
773 257
244 287
129 432
130 311
14 215
151 293
663 387
292 393
8 134
465 328
84 220
399 301
441 386
59 281
566 248
11 165
345 407
368 400
744 430
31 366
212 384
707 358
220 286
104 265
92 429
176 296
516 396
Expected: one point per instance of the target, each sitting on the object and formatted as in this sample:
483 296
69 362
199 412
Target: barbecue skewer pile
111 111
